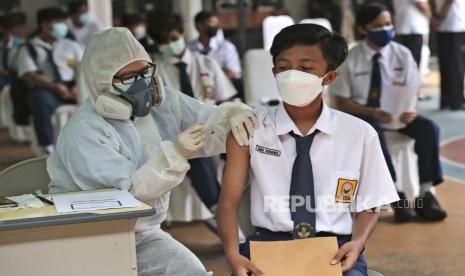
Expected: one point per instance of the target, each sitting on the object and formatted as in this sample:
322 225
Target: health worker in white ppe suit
134 134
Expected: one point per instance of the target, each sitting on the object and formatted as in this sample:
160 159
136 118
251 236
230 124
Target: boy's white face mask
298 88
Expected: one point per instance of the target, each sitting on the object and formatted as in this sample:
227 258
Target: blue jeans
43 104
360 268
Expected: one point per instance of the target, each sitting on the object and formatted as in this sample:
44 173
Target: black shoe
428 208
402 210
457 108
424 97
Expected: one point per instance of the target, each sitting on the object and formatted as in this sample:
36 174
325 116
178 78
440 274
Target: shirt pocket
345 183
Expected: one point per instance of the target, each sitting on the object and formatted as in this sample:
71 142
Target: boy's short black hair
49 14
333 46
74 5
130 19
368 12
12 20
203 16
161 24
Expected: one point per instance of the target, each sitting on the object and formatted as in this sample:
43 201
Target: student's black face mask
211 31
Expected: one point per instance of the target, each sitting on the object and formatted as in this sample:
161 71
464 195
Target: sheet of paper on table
305 257
94 201
396 100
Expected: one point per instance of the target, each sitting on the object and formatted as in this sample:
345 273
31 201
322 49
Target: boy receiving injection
327 165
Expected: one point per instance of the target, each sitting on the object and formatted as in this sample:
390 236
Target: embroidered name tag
268 151
361 73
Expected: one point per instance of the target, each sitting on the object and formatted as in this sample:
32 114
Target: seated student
194 74
48 63
197 76
218 48
12 34
137 25
305 151
370 66
81 25
15 32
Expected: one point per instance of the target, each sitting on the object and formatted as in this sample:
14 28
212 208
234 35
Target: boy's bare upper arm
235 174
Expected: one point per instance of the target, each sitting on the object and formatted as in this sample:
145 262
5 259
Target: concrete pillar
101 11
188 10
297 9
30 7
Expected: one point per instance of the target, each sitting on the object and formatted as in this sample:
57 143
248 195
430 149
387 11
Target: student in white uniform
412 24
15 32
205 78
48 63
374 65
13 37
81 25
197 76
305 154
449 21
218 48
138 27
10 42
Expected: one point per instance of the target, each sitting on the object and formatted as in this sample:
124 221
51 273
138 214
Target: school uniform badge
345 190
304 230
70 62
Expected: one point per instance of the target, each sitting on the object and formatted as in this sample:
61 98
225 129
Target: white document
94 201
396 100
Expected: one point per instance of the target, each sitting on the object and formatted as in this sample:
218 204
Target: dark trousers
452 68
360 268
43 103
426 135
239 85
203 179
414 42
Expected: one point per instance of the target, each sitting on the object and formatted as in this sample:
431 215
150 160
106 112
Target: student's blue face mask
59 30
174 48
17 41
85 18
381 36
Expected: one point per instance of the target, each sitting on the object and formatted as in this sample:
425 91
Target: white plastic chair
61 116
318 21
25 177
6 109
272 25
405 161
259 82
59 119
185 204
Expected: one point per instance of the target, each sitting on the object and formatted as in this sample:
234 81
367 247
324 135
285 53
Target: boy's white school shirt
203 72
346 154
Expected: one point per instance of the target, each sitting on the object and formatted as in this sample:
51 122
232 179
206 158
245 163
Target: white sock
427 187
46 150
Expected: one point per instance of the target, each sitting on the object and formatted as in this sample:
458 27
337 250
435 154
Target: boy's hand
241 266
381 116
62 91
348 255
408 117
